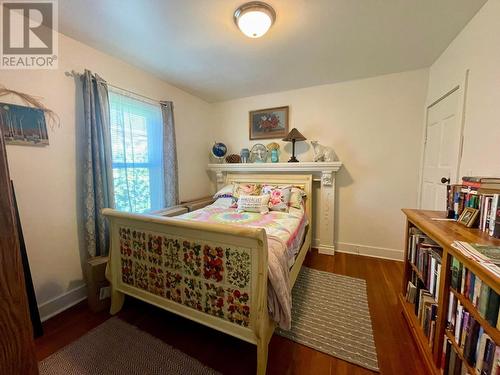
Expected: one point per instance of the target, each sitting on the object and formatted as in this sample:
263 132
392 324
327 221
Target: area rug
116 347
330 314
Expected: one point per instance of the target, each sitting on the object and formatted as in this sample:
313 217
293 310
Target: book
455 269
481 346
471 344
472 284
489 353
495 368
492 308
498 320
451 364
493 214
465 323
483 300
477 291
458 323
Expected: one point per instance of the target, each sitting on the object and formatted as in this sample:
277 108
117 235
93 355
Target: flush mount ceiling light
254 18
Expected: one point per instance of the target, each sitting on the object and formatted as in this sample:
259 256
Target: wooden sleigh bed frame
213 274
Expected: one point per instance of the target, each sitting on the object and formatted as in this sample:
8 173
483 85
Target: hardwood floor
397 353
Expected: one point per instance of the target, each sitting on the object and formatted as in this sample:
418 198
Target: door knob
445 180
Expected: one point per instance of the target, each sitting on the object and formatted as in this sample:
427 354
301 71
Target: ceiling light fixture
254 18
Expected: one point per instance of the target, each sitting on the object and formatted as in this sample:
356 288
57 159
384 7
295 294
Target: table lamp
294 136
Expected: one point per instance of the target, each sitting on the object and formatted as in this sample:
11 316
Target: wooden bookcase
444 233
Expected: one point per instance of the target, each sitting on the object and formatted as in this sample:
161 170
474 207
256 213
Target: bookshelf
441 234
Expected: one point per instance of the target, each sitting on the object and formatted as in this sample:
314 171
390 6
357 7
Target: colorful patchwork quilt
284 234
285 226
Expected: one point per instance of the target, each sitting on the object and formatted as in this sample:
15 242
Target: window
136 149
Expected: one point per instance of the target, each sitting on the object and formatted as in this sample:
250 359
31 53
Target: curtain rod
156 101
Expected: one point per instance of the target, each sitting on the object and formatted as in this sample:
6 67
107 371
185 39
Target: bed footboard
213 274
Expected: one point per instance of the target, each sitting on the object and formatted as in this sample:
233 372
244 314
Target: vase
244 154
275 158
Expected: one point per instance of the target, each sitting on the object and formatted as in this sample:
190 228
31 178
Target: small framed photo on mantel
268 123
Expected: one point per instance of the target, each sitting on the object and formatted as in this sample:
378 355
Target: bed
208 268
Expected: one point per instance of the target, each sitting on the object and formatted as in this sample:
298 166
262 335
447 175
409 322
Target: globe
219 150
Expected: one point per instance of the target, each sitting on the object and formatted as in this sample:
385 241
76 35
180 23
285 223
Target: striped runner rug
330 314
118 348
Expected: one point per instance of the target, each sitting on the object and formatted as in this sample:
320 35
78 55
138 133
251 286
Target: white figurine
323 153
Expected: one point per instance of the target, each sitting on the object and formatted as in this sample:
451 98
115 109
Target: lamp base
293 159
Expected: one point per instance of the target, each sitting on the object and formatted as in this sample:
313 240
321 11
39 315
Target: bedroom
363 79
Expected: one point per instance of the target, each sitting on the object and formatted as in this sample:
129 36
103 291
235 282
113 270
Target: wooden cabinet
17 354
444 233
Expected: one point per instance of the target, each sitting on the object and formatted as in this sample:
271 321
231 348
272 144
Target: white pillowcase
223 203
253 203
225 192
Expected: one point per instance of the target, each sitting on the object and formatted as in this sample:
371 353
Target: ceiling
194 44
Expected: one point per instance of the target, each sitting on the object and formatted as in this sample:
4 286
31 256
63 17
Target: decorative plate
258 153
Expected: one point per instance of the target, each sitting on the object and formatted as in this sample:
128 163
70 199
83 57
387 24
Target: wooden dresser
444 233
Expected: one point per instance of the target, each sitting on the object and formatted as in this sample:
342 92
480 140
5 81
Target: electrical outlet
104 292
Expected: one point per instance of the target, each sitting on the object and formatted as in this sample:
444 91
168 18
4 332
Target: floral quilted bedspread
282 231
282 225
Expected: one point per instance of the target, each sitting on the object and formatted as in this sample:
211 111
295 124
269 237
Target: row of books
484 298
451 363
426 306
481 193
486 364
476 346
425 255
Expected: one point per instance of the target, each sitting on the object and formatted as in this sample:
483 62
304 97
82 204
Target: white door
442 149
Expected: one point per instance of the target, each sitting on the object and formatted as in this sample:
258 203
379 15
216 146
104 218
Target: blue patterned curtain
97 168
170 174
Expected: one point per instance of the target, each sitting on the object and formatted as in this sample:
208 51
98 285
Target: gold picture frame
268 123
468 216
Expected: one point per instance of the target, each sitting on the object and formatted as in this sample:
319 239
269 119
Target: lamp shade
294 135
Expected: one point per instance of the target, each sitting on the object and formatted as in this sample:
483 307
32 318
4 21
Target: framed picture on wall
268 123
23 125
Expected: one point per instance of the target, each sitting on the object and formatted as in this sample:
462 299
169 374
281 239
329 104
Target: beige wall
476 48
375 126
45 178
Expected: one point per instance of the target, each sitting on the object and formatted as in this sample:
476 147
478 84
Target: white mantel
321 171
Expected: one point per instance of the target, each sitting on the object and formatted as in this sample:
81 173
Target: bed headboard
304 181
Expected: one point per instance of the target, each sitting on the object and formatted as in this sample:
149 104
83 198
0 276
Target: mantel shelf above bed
324 170
321 171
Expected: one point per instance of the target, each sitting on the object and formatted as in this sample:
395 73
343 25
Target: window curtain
97 169
170 175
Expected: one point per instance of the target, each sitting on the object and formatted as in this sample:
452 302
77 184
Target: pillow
246 189
253 203
279 197
296 197
225 192
223 202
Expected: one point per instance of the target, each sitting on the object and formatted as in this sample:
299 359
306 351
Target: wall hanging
25 125
268 123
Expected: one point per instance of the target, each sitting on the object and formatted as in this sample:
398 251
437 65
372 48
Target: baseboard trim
327 250
370 251
60 303
351 248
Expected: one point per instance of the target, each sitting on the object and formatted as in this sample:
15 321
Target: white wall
375 126
45 178
476 48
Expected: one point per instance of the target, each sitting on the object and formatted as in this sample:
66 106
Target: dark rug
116 347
